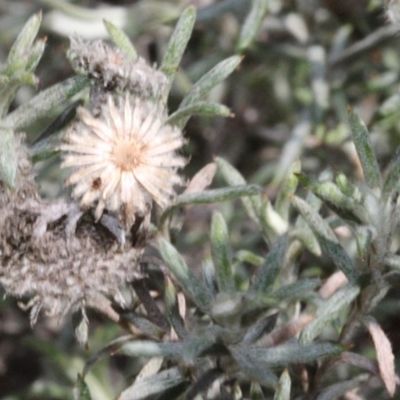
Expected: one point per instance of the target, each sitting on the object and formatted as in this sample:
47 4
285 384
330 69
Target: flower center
127 155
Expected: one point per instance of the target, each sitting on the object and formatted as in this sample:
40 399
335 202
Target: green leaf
188 281
210 196
221 253
8 157
81 390
287 190
233 178
248 257
254 367
364 150
23 44
269 271
262 326
177 43
344 206
327 238
153 385
204 108
340 258
286 354
121 40
195 345
283 391
392 178
208 81
35 55
307 238
256 392
328 311
252 24
297 290
364 236
40 105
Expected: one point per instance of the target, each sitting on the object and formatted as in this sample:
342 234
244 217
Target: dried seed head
114 70
123 159
44 263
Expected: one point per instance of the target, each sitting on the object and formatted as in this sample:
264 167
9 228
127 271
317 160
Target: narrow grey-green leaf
298 289
195 345
269 271
286 354
287 190
8 157
81 390
364 150
233 178
262 326
221 253
46 100
205 108
7 94
248 257
392 178
23 44
252 24
178 42
344 206
121 40
188 281
340 258
328 311
216 195
35 55
256 392
254 367
284 386
149 349
364 235
326 238
307 238
153 385
211 79
210 196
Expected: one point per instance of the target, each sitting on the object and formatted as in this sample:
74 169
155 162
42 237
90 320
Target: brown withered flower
53 258
114 70
123 159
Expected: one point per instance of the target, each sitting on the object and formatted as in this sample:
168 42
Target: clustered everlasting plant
241 325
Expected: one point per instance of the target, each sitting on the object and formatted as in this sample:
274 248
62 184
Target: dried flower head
50 265
114 70
123 159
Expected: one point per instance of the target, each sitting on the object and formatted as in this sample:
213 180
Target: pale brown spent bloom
48 265
123 159
113 69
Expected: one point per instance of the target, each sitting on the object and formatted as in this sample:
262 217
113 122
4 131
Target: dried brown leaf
286 332
332 284
202 179
384 354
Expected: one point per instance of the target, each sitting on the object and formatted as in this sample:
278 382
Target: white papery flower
123 159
